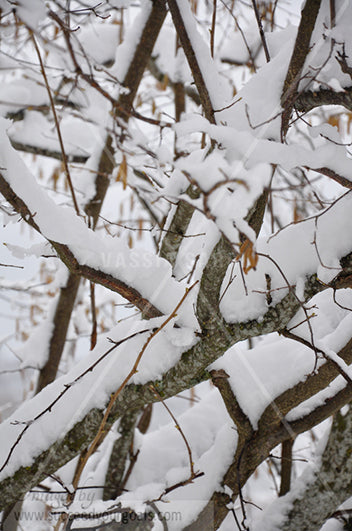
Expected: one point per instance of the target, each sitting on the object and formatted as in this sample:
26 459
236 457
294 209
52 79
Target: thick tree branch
332 484
308 100
187 372
68 258
192 60
312 383
252 451
347 183
299 54
176 231
39 150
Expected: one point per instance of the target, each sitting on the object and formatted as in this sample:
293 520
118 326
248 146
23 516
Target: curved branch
253 450
308 100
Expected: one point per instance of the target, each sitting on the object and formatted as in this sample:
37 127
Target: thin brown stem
102 432
57 124
261 31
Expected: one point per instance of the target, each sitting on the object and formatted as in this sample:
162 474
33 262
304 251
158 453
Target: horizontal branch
309 99
45 152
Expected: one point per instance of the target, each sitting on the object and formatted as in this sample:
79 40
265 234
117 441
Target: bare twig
100 435
261 31
57 125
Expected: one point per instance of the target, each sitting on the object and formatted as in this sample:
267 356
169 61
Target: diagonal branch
299 54
192 59
68 258
68 293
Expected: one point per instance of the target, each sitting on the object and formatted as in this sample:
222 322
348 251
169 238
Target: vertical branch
119 455
57 125
261 31
286 466
93 334
180 101
61 320
212 31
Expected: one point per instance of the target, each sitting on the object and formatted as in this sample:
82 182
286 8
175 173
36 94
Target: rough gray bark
254 446
332 482
190 370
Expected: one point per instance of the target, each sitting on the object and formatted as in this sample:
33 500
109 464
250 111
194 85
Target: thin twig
212 31
261 31
100 435
93 335
48 409
306 343
178 427
57 125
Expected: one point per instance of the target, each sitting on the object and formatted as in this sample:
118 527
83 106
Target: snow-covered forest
175 265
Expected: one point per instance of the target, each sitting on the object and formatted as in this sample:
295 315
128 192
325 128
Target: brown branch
308 100
306 343
212 30
286 466
68 258
44 152
334 176
261 31
61 320
192 60
93 334
299 55
239 418
102 431
256 449
310 385
119 106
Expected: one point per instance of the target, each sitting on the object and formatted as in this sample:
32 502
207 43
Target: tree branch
68 258
299 54
332 482
192 59
308 100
